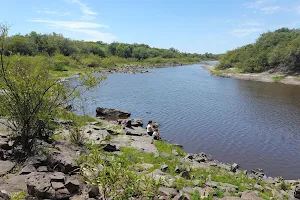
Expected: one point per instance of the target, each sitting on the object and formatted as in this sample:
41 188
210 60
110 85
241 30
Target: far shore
262 77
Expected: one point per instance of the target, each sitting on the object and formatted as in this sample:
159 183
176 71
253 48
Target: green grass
277 79
18 195
167 148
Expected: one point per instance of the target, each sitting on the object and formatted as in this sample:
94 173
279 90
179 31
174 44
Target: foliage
277 50
18 196
168 148
30 97
277 78
114 177
67 52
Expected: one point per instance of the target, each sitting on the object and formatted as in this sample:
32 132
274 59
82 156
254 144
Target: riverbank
124 163
262 77
128 68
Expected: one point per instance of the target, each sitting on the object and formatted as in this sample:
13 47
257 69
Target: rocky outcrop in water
112 113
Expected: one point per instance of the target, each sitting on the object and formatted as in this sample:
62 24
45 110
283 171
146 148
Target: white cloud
251 23
263 6
80 30
69 24
270 10
49 12
88 13
244 32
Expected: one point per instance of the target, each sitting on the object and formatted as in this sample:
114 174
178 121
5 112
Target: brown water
254 124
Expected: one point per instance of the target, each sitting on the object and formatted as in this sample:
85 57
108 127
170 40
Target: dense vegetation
66 53
278 50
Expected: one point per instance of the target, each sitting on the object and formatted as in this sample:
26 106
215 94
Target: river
254 124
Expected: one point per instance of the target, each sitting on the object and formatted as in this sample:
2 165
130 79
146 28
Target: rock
93 191
5 146
146 166
234 167
177 169
155 124
174 152
72 185
27 169
185 175
258 187
4 195
178 145
62 194
6 166
57 177
57 185
200 157
167 192
180 196
110 112
39 185
297 191
37 161
133 133
42 169
63 160
212 184
250 195
137 122
2 156
164 154
164 167
110 148
19 153
162 178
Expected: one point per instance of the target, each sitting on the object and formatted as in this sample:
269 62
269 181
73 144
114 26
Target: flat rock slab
14 184
144 144
6 166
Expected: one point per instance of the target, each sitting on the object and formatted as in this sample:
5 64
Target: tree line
33 44
278 50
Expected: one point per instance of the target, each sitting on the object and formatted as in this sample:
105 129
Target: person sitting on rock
150 128
155 135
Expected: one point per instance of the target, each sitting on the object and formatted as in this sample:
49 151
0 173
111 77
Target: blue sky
188 25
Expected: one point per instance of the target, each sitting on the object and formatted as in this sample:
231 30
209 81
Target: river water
254 124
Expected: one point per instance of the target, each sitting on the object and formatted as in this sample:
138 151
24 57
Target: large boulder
112 113
6 166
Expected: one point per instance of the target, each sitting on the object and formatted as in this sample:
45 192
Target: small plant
277 79
77 136
18 195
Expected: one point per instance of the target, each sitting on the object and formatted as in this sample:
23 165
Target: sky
195 26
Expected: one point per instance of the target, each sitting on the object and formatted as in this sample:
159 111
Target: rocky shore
55 171
269 76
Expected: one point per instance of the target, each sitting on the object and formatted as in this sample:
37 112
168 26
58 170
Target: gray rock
63 160
133 133
234 167
162 178
258 187
4 195
37 161
164 154
174 152
39 185
93 191
164 167
57 185
167 192
62 194
146 166
42 169
111 112
57 177
297 191
27 169
137 122
72 185
251 195
6 166
185 174
177 169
